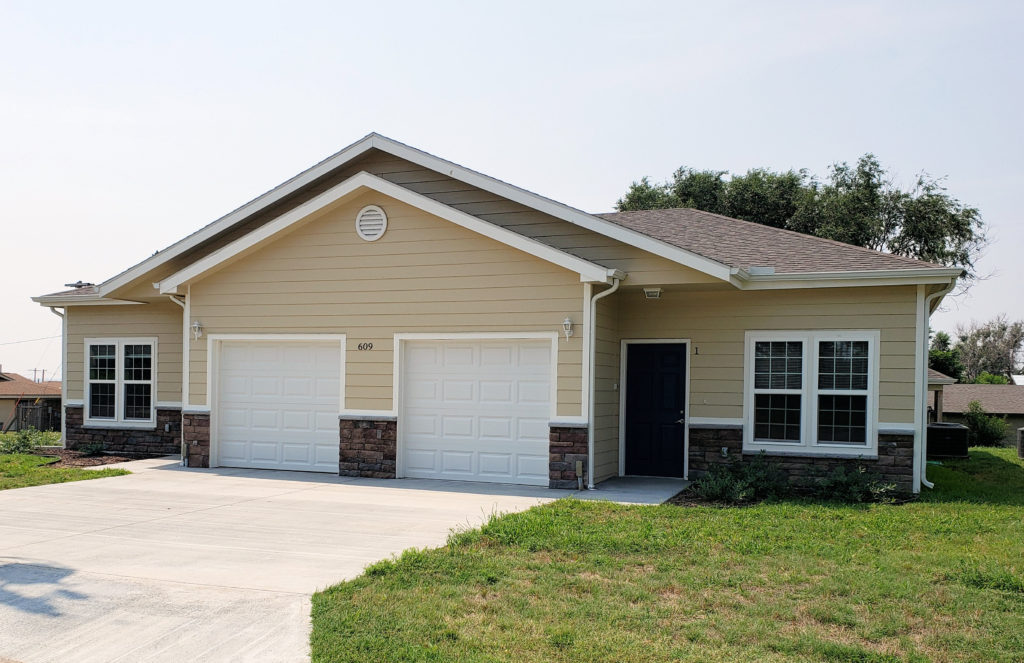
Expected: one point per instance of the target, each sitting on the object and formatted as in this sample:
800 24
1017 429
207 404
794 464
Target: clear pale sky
126 126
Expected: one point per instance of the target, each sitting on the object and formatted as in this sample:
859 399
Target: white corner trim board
587 270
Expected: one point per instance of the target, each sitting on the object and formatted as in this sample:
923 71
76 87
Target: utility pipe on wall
922 385
592 387
184 368
63 372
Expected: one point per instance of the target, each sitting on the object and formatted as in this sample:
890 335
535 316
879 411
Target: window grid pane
842 419
778 365
843 365
102 362
137 400
138 362
777 417
101 400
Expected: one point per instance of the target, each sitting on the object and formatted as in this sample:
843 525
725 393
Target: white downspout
63 372
184 369
922 382
592 387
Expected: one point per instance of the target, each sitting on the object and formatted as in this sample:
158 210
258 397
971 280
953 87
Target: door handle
681 421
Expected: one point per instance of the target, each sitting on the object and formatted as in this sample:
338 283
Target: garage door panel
476 410
265 419
419 460
496 465
534 392
457 462
497 428
278 404
533 466
532 429
497 392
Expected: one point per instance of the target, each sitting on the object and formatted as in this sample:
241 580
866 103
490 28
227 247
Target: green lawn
940 579
21 470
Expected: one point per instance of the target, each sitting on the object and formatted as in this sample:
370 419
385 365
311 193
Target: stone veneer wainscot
143 442
368 447
567 444
196 429
895 461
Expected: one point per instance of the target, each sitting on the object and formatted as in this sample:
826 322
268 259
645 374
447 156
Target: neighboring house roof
746 245
704 242
15 386
934 377
995 398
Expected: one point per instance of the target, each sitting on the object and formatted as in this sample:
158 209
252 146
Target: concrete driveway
169 564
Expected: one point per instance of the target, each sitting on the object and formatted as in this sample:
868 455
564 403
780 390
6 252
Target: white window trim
119 421
808 444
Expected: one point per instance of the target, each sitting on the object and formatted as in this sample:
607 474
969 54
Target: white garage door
277 405
476 410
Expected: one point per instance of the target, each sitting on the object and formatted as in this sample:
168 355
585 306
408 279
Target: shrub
738 482
20 442
92 449
984 430
846 484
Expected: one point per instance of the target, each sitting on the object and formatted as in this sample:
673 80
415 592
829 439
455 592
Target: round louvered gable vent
371 222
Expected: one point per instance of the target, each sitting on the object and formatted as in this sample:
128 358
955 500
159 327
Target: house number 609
364 346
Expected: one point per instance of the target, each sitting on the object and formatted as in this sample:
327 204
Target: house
1003 400
33 399
388 313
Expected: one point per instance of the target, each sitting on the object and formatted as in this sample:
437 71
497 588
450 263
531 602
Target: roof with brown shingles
745 244
15 386
995 398
934 377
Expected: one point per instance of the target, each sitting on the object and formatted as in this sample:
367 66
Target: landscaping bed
937 579
70 458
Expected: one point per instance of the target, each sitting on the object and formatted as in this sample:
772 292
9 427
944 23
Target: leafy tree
944 358
765 197
700 189
993 347
644 195
988 378
858 204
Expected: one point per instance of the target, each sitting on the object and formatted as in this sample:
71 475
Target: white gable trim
588 271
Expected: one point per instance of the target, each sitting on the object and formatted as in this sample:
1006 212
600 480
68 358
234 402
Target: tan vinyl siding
606 394
424 275
716 322
642 267
162 320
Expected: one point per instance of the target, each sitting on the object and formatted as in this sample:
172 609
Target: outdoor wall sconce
567 327
197 330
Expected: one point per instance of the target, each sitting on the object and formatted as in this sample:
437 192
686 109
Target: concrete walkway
173 564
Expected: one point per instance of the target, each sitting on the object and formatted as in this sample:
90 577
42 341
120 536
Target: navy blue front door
655 408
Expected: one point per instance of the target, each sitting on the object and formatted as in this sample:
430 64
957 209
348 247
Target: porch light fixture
197 330
567 327
652 293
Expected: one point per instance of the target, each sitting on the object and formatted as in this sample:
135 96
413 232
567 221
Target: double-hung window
811 392
120 381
